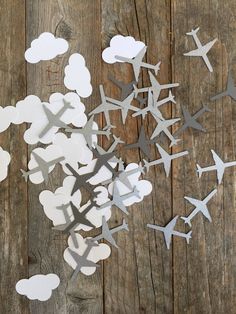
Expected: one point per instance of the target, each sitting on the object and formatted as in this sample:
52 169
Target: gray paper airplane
190 121
137 63
82 181
126 88
104 107
102 159
168 231
219 166
82 260
153 107
162 126
142 143
230 89
201 50
124 105
43 167
200 206
107 233
54 119
155 87
87 131
117 140
165 159
117 199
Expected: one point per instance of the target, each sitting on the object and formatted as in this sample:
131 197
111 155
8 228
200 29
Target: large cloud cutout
38 287
45 47
97 253
77 76
5 159
124 46
8 115
31 110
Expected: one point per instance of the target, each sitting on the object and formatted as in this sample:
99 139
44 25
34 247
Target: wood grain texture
141 276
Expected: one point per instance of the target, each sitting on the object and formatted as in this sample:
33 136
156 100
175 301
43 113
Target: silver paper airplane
162 126
230 89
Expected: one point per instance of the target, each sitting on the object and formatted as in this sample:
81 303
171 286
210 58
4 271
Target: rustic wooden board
142 276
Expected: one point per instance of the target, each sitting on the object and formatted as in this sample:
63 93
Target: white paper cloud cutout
5 159
77 76
97 253
8 115
38 287
45 47
125 46
31 110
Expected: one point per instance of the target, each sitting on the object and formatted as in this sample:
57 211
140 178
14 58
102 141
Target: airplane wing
165 159
43 166
193 201
208 46
169 230
194 53
117 201
137 62
106 233
102 108
156 87
230 82
219 166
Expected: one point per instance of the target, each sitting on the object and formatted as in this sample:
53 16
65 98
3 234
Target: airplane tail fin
206 108
24 174
199 170
146 164
171 97
136 192
109 127
125 225
193 31
174 142
67 104
117 139
136 91
107 132
189 236
157 67
186 220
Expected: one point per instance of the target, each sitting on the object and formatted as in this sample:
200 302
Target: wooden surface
142 276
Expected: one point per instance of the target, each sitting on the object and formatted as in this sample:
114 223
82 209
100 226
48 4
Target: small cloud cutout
8 115
77 76
38 287
5 159
45 47
124 46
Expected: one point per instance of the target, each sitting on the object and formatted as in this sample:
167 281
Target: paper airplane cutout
107 233
219 167
201 50
117 199
104 107
43 166
230 89
162 126
82 260
87 131
155 87
168 231
124 105
137 63
142 143
165 159
54 119
126 88
190 121
200 206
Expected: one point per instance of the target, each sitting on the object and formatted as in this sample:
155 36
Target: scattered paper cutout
38 287
77 76
45 47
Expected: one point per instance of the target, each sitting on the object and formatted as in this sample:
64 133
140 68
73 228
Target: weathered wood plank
13 191
138 277
79 23
203 272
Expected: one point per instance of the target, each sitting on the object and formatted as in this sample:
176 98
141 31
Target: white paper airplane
137 63
165 159
200 206
124 105
155 87
162 126
219 167
104 107
201 50
43 167
168 231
